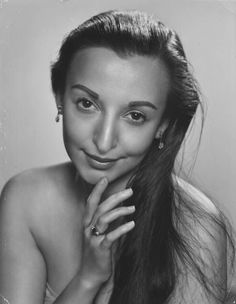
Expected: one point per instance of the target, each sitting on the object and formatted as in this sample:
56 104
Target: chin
91 176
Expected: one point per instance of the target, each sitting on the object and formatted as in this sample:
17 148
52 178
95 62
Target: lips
99 163
100 159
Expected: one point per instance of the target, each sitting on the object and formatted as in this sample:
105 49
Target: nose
105 134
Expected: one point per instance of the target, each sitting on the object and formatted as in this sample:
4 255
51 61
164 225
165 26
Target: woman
115 225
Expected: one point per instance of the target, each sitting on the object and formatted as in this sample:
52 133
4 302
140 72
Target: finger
104 220
112 202
94 199
117 233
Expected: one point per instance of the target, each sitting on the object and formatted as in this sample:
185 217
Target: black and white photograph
117 152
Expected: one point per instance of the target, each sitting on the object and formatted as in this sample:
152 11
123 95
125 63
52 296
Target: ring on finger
95 231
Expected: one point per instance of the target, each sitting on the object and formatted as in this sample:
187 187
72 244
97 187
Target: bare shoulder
39 188
27 209
203 230
197 196
43 176
203 223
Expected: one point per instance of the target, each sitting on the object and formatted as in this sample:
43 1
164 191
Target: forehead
129 77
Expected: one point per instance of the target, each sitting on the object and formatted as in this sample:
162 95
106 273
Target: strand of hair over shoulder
3 300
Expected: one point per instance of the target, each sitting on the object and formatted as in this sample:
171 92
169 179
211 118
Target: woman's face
112 111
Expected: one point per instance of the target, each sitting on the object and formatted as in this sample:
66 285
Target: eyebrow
141 103
85 89
138 103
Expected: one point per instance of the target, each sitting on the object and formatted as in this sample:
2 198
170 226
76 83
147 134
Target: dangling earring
161 143
59 112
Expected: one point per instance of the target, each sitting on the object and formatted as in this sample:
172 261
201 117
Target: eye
85 104
136 117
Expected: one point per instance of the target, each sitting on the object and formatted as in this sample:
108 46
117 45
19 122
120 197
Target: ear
161 128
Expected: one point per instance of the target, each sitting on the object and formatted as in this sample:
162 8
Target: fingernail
128 191
131 224
132 208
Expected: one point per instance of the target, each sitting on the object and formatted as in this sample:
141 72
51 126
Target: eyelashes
137 117
85 105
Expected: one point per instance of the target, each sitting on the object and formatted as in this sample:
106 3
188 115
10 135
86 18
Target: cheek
75 131
137 143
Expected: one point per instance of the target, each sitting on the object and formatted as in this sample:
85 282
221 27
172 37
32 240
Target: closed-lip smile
101 159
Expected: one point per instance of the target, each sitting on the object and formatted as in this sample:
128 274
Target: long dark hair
151 257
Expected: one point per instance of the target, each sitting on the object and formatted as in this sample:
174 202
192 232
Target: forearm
78 291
